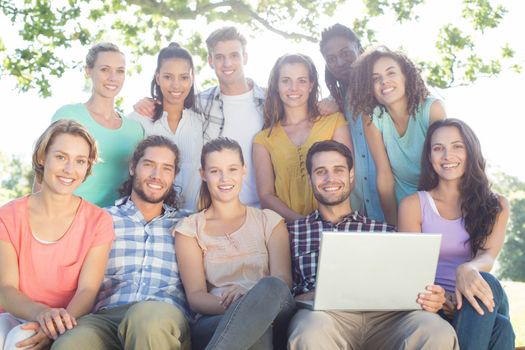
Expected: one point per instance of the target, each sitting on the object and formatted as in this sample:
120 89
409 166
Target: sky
490 106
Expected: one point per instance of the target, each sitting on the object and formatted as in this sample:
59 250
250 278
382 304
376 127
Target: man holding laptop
329 166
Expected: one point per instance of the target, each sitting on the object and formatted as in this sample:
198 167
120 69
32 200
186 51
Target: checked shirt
209 102
142 264
305 236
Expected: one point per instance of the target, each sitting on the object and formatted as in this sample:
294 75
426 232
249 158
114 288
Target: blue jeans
490 331
247 323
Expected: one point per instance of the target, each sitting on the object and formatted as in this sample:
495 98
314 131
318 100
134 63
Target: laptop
369 271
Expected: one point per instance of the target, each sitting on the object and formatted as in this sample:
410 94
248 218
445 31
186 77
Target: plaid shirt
305 236
142 264
209 103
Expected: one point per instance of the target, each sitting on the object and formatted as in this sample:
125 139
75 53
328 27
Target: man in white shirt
234 108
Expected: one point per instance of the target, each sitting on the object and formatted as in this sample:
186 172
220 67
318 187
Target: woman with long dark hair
234 260
173 90
455 199
292 124
388 89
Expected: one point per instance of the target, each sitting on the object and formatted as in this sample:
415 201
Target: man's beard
330 203
142 195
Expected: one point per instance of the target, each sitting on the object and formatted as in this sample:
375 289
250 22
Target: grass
515 291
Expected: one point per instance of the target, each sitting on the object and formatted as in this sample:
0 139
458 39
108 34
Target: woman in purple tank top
455 199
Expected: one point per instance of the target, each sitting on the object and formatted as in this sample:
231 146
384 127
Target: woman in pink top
53 245
455 200
234 260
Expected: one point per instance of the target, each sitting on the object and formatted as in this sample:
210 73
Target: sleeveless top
455 248
404 152
240 257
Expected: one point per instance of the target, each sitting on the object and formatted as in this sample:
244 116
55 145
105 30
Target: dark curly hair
361 85
479 205
273 105
338 87
173 50
172 199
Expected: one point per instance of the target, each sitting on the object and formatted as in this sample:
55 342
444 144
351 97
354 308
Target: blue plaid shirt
142 264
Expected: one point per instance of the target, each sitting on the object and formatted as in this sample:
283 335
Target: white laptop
372 271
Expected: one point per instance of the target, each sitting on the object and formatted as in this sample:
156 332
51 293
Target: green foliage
482 14
366 35
512 258
15 178
48 29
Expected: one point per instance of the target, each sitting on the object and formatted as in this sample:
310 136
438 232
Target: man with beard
329 165
141 303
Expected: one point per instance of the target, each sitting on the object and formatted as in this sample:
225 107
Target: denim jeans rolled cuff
492 330
247 323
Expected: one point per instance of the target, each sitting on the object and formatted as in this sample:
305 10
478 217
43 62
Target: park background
485 91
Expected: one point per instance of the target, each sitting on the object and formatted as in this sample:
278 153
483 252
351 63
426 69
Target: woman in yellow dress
292 124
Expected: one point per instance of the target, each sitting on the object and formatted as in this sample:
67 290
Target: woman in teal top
388 88
116 136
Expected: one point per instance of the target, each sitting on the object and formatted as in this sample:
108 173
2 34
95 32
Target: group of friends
214 203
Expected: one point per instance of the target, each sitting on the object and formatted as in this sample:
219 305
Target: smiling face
330 178
153 175
389 81
448 153
175 78
228 58
294 85
223 174
339 54
108 73
65 164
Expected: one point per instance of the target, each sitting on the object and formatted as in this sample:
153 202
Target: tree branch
183 12
248 10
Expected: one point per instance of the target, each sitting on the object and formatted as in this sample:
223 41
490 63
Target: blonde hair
57 128
93 52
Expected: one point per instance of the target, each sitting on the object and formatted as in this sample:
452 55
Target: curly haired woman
387 86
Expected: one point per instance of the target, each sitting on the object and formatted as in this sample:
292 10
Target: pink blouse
239 258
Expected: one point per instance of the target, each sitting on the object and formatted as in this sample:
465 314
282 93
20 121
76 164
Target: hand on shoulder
146 107
437 111
327 106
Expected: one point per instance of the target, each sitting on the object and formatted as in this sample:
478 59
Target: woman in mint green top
391 84
404 152
116 136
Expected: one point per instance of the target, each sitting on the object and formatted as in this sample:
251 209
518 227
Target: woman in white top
172 89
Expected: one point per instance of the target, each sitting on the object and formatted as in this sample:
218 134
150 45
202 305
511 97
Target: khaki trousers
153 325
370 330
